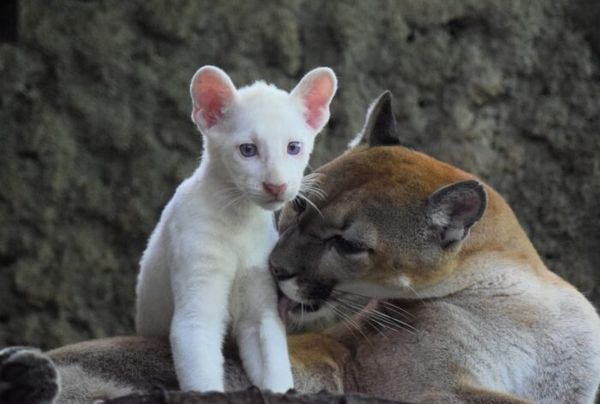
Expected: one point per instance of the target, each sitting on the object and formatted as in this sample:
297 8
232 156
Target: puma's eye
248 149
294 148
345 246
299 204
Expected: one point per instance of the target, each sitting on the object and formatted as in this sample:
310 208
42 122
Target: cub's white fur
205 267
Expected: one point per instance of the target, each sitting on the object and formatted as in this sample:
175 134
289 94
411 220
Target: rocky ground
95 131
250 396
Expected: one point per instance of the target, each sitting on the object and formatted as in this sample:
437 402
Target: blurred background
95 131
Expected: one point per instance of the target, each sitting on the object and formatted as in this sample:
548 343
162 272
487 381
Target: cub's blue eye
294 147
248 149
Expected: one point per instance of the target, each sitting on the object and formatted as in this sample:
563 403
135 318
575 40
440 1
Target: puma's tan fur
486 321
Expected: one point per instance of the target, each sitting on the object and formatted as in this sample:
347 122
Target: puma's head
391 223
261 136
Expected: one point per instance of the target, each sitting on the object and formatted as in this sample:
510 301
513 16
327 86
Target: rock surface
95 131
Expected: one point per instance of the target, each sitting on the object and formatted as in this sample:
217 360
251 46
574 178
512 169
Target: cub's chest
253 242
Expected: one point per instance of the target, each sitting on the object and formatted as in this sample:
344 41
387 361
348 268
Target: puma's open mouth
285 306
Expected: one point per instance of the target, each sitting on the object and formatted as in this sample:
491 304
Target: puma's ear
212 92
380 124
454 208
315 91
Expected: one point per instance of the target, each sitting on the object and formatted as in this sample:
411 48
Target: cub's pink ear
212 92
316 91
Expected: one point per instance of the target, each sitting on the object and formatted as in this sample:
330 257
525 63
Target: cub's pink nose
274 189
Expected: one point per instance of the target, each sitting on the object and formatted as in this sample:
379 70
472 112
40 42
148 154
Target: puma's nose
274 189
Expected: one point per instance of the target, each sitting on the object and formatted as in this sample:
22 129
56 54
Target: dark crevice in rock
28 155
8 260
9 21
457 25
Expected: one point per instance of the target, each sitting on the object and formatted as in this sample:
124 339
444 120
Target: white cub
205 269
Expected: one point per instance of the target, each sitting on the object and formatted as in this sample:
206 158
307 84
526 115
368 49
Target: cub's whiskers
311 185
310 188
307 200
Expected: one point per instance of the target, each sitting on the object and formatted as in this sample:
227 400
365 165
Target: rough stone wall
95 131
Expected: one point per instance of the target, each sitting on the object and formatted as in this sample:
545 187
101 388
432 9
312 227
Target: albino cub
205 267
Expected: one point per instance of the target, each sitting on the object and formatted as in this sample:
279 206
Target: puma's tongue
283 305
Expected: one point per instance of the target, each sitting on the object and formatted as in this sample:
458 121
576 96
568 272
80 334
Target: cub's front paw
27 376
282 382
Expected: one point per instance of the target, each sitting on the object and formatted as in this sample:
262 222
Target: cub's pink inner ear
316 90
317 99
212 92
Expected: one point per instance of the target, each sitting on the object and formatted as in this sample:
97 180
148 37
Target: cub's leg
277 375
264 354
198 328
27 377
248 341
260 334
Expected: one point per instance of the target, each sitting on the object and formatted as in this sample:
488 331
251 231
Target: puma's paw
27 376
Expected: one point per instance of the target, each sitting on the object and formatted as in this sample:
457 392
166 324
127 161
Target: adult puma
453 303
